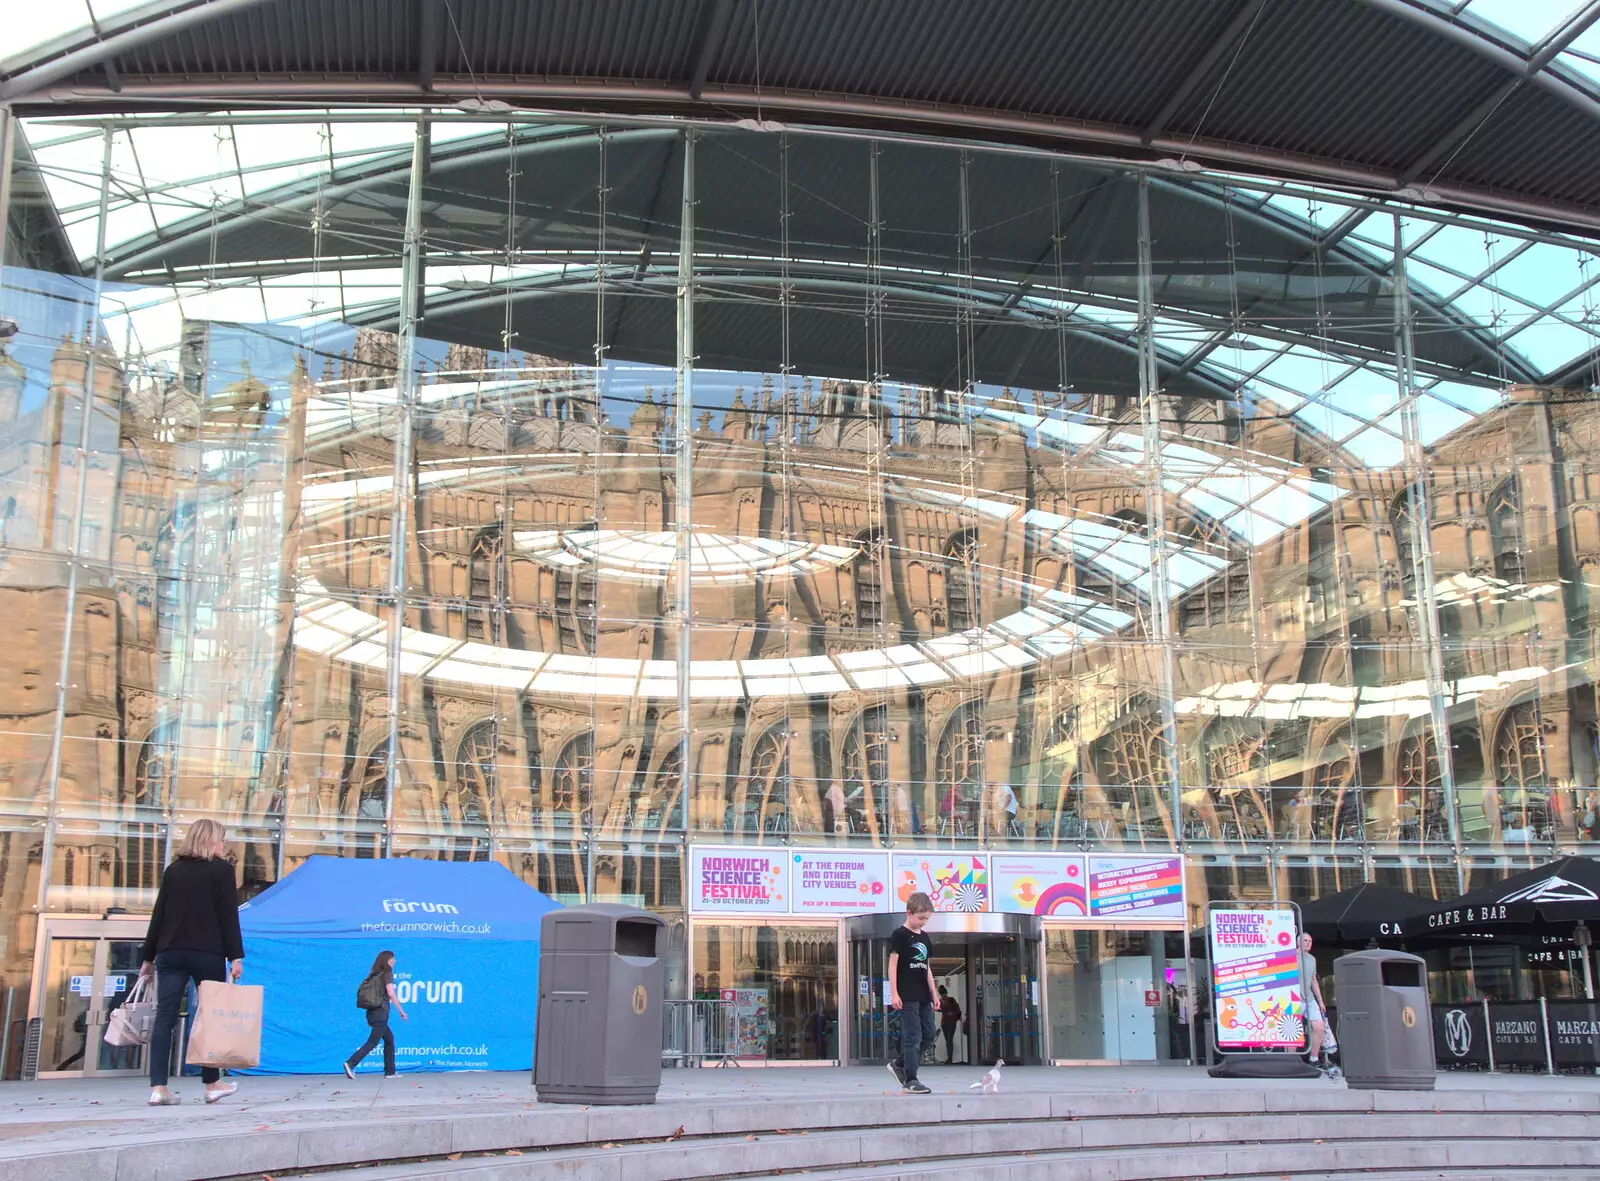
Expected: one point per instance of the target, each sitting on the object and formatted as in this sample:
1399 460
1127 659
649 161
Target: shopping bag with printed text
227 1026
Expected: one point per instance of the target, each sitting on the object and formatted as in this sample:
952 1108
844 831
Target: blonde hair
205 839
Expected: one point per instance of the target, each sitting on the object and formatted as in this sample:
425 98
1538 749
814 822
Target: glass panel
1120 996
783 984
123 957
68 991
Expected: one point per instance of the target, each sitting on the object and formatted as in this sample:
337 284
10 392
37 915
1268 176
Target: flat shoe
348 1073
167 1100
220 1091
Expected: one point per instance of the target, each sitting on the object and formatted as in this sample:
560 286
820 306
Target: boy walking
911 990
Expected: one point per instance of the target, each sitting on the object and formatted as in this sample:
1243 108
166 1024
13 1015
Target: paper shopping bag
227 1026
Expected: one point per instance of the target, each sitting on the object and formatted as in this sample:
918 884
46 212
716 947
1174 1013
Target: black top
912 980
197 909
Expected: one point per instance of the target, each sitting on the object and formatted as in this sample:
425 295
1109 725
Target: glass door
1005 1000
874 1026
87 969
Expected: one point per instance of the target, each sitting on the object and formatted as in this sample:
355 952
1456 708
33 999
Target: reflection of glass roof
31 27
639 556
1055 625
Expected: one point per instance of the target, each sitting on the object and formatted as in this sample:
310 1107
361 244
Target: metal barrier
694 1033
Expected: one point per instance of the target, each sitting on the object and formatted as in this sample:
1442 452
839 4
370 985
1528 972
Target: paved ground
63 1116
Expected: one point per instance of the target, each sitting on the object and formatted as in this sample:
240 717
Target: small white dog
991 1081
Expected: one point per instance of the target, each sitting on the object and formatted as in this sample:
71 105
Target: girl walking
375 995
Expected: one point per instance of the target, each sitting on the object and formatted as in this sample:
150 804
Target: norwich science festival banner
749 880
1255 977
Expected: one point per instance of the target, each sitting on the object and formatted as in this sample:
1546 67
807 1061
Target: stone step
725 1136
1113 1150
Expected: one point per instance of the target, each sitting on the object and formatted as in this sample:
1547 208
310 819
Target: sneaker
161 1097
898 1071
349 1071
220 1091
918 1087
392 1075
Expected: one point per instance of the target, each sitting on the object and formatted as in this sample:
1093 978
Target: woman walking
193 934
375 995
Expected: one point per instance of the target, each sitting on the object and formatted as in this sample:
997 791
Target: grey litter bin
1385 1028
598 1035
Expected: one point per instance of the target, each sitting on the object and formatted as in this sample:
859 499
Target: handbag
131 1022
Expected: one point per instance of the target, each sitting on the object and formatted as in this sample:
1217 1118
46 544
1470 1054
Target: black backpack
372 994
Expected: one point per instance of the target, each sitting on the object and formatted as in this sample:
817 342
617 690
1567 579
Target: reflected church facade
913 621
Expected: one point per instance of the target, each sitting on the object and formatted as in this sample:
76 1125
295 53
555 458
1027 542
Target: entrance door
998 993
84 969
1117 996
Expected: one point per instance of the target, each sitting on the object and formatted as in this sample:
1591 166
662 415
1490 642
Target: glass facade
567 494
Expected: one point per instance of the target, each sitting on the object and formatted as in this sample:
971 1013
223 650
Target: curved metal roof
1479 104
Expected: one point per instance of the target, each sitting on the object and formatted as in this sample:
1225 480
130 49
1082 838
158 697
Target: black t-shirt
911 976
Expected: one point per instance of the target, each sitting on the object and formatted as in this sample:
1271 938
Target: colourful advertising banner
955 881
1136 888
1041 884
739 880
752 1021
1255 980
838 881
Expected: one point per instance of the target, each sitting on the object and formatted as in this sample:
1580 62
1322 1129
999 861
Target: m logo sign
1457 1033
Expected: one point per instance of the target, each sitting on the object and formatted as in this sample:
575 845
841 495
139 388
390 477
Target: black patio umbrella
1361 914
1560 900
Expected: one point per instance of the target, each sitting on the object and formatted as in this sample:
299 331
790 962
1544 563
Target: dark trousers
378 1019
917 1025
174 970
949 1030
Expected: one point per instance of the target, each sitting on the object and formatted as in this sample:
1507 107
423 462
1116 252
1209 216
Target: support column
91 341
683 473
1159 634
412 276
1419 482
8 140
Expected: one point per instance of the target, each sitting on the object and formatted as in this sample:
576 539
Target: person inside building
193 935
949 1019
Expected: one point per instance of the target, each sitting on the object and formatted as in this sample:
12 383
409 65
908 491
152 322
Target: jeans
174 970
379 1020
949 1031
917 1025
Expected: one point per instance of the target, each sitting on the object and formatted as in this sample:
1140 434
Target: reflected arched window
1236 752
572 780
1505 531
373 785
1136 751
1519 749
1400 521
958 770
477 768
157 765
767 786
961 585
659 807
485 582
575 608
865 782
867 574
1417 765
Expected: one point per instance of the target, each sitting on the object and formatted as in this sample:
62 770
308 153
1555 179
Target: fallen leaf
513 1152
783 1131
678 1135
749 1137
608 1144
453 1156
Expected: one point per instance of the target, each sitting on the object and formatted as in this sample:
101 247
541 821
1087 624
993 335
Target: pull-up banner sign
1255 980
